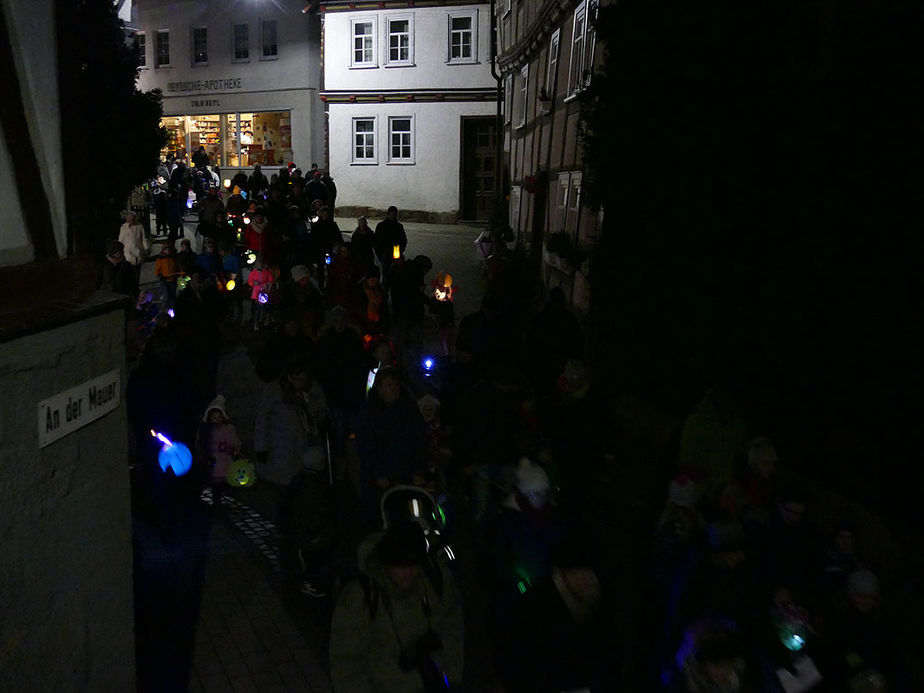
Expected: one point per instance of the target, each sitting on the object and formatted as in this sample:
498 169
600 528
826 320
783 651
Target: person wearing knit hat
217 404
683 491
299 273
118 275
863 589
218 443
532 482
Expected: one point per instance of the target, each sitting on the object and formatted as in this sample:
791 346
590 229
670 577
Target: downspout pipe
499 122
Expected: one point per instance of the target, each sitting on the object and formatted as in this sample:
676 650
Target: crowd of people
510 430
753 592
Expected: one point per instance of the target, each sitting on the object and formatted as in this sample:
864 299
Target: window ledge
268 58
400 163
388 65
364 163
465 61
240 60
363 67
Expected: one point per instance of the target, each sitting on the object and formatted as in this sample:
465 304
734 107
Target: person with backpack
398 628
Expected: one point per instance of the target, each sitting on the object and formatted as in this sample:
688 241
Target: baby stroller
403 503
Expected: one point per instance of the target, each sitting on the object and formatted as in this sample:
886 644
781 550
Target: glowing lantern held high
175 456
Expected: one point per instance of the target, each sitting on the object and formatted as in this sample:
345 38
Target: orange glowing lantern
396 252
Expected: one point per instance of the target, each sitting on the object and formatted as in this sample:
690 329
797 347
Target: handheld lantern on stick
176 456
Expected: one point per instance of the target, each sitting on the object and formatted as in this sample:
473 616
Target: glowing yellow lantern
227 182
396 252
230 285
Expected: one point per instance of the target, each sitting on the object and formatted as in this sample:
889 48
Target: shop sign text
205 85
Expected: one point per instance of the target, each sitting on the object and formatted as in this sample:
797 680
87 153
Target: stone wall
65 516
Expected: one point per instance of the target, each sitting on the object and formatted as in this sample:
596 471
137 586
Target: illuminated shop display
231 139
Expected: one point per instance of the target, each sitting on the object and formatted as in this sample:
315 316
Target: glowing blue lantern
263 297
176 456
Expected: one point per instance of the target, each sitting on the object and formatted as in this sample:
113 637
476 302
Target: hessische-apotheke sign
65 412
205 85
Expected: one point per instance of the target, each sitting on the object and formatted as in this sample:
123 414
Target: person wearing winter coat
391 438
388 233
135 241
218 443
118 275
289 427
398 629
361 252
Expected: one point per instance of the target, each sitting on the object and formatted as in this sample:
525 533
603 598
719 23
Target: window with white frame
400 39
582 46
200 46
364 141
561 202
401 140
269 46
463 39
573 208
522 95
508 98
552 73
141 47
162 48
363 32
514 212
241 41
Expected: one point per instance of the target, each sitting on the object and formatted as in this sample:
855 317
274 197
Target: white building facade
241 79
411 105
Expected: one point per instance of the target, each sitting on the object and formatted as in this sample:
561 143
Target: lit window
268 38
400 141
363 43
141 48
364 141
162 47
200 46
400 40
462 42
241 42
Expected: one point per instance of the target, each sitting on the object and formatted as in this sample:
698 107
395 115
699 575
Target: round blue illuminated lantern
175 456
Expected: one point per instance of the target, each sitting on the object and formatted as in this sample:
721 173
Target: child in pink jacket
218 443
262 282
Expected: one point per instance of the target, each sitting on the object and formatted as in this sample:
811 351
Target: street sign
65 412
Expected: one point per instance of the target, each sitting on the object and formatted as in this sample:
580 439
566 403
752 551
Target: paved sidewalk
247 641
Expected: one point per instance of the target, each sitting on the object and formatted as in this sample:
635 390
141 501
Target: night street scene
483 346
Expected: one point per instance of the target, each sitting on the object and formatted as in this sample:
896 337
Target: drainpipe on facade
499 123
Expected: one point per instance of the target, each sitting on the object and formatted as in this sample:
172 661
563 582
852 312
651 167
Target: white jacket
136 243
